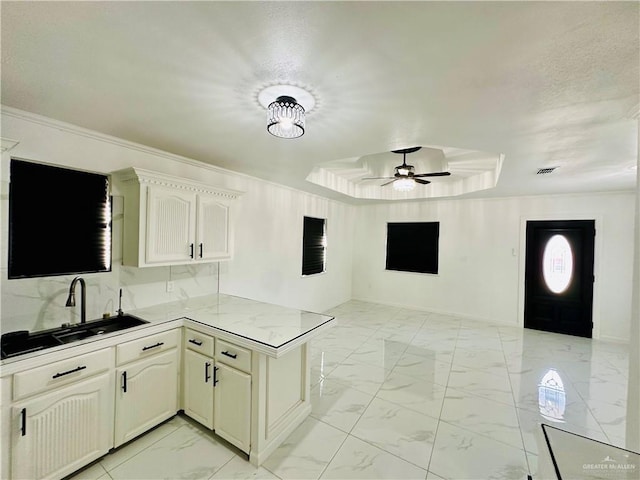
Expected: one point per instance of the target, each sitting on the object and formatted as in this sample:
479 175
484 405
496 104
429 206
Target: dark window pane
413 247
313 246
59 221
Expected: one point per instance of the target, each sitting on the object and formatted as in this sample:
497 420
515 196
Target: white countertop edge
255 346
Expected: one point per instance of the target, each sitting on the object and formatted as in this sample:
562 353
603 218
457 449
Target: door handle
196 342
230 355
215 376
200 249
23 422
206 372
152 346
123 382
58 375
191 247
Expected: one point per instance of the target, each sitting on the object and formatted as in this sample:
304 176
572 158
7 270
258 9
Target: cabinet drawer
199 342
60 373
232 355
144 347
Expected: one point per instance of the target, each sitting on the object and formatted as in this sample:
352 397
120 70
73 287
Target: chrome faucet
71 301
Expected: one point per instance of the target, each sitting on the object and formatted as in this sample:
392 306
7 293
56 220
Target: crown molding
92 134
7 144
148 177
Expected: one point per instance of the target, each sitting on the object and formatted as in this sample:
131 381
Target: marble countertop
271 325
262 327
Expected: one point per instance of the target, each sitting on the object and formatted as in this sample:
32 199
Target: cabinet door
198 387
146 394
213 229
171 225
56 433
232 408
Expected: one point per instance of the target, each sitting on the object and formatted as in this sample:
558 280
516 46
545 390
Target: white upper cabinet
172 221
213 229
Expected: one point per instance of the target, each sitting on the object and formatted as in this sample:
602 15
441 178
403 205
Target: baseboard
464 316
602 338
607 338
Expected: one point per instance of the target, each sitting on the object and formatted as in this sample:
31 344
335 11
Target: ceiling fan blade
423 182
434 174
376 178
388 182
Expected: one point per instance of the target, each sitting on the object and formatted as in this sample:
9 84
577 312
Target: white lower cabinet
215 394
232 406
65 414
198 387
56 433
147 390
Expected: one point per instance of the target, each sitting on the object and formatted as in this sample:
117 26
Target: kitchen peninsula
240 367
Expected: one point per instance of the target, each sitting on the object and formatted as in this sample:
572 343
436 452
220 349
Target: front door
559 276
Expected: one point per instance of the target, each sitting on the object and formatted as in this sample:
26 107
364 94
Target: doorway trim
595 334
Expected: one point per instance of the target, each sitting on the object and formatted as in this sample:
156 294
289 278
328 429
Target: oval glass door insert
552 399
557 264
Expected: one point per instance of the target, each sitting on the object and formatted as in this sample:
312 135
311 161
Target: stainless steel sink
14 345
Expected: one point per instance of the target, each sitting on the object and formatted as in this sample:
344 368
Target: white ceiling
542 83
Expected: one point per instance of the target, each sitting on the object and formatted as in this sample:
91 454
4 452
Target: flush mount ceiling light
285 118
286 109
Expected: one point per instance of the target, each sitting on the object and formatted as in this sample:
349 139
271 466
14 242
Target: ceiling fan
405 173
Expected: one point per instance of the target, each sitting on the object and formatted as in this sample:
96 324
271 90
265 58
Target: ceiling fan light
285 118
404 184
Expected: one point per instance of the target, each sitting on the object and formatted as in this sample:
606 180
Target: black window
59 221
313 245
413 247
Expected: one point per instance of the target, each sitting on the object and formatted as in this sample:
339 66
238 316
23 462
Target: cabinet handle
58 375
215 376
191 247
123 382
195 342
23 422
230 355
206 372
149 347
200 249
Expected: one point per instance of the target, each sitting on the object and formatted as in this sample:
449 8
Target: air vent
544 171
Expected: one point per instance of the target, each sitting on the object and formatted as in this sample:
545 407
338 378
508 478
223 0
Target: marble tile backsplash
39 303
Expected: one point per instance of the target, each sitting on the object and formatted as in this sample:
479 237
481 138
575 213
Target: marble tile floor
403 394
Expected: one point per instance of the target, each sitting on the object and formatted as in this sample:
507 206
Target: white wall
267 264
268 235
481 262
480 277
